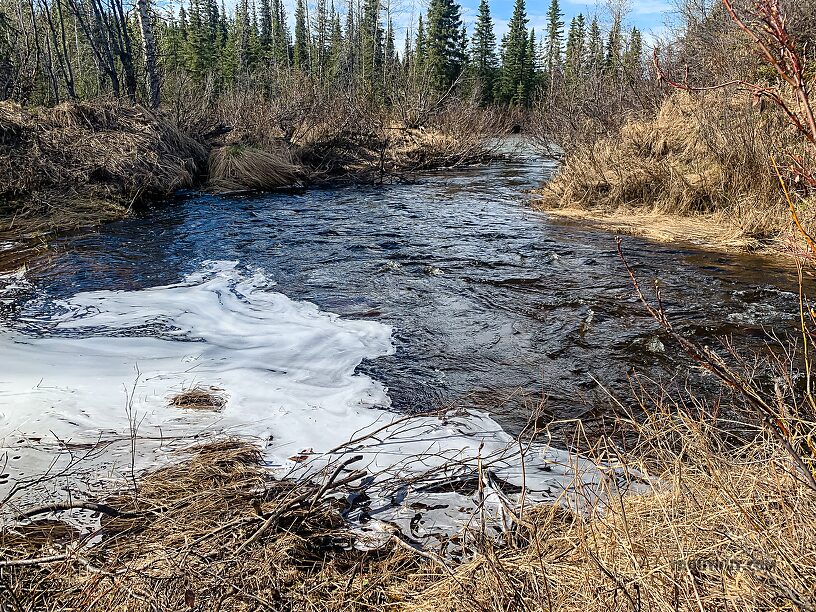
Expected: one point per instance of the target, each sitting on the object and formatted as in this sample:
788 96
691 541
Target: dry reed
240 167
704 155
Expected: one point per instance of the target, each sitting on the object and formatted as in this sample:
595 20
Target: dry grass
240 167
662 227
79 164
85 163
199 399
703 155
339 135
184 549
726 527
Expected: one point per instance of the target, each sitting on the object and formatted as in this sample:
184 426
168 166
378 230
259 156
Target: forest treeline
61 50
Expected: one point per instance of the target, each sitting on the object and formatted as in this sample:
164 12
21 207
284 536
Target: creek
313 311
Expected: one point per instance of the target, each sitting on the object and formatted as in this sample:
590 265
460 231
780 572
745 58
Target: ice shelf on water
80 375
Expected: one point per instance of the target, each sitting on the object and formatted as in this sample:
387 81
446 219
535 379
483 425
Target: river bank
216 531
704 231
699 170
81 164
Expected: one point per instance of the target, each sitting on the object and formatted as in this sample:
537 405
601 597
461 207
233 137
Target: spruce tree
612 60
266 25
407 54
483 52
531 67
229 55
595 49
321 37
254 40
555 33
633 56
444 43
350 49
514 57
300 55
575 60
183 21
280 34
420 51
390 52
223 27
200 53
335 52
242 27
372 45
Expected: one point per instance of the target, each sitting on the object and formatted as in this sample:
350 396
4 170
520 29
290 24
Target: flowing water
487 302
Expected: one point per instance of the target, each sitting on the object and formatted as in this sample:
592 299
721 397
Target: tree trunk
149 49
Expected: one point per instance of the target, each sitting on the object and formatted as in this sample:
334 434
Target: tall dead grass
724 526
335 134
239 167
77 164
703 154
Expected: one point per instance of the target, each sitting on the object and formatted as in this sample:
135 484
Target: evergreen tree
407 54
445 57
266 25
300 55
513 82
575 49
335 52
281 53
229 55
390 67
483 52
200 52
351 51
612 60
633 56
321 38
420 51
595 49
223 27
183 22
372 44
531 68
171 43
555 33
242 26
254 39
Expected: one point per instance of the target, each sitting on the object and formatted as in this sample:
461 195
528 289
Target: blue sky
647 15
650 16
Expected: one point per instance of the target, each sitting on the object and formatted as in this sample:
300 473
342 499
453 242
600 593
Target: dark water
491 302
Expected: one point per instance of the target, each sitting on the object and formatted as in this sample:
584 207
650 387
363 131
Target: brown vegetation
238 167
723 528
199 398
186 542
336 135
81 164
85 163
703 155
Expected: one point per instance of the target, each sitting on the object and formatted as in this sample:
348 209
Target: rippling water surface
487 297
